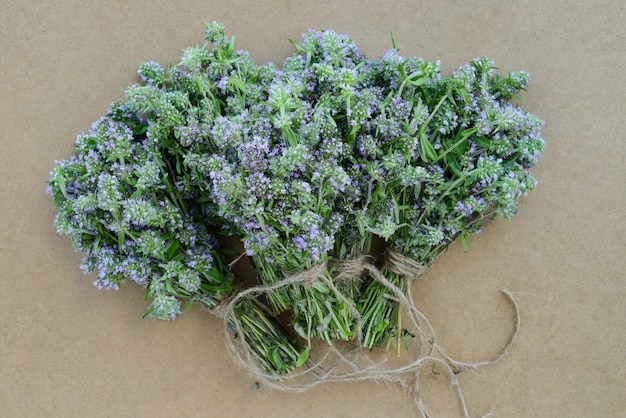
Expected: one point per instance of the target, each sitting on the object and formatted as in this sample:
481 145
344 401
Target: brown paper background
69 350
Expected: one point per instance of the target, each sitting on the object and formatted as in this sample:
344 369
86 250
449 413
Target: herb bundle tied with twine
339 179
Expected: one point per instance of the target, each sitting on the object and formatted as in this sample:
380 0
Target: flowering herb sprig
307 165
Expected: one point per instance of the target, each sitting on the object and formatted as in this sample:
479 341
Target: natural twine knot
403 266
307 276
350 268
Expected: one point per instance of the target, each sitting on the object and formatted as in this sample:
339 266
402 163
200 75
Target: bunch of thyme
274 170
460 154
306 165
118 202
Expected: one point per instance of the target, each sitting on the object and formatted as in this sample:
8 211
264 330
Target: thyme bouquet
307 165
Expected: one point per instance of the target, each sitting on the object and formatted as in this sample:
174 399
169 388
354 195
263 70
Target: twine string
349 361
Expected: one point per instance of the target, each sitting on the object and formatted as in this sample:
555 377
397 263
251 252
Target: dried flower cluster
306 164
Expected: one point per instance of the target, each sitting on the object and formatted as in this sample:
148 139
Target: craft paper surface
67 349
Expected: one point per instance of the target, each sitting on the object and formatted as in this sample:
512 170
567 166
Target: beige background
69 350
